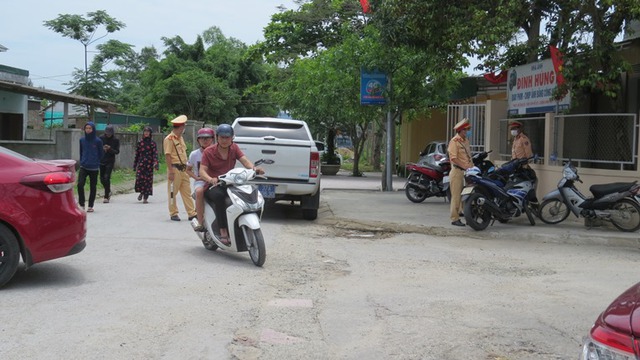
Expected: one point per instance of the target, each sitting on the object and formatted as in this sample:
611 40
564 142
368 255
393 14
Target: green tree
323 45
85 30
507 33
212 80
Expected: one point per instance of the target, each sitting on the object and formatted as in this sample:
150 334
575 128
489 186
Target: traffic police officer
175 152
521 147
460 157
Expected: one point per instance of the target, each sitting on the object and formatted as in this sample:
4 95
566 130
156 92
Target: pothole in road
363 234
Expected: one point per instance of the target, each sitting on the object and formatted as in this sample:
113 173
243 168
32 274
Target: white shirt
195 158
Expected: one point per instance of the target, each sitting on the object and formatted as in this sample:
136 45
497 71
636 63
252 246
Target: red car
39 216
615 332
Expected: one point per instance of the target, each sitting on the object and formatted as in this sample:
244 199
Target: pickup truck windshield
261 129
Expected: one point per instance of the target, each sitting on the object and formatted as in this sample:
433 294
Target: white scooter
244 210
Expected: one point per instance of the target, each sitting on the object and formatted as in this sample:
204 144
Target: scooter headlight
240 178
569 173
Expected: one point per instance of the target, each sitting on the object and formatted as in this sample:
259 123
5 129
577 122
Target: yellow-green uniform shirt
176 148
521 147
460 149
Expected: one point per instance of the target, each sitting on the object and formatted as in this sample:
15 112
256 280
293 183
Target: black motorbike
502 194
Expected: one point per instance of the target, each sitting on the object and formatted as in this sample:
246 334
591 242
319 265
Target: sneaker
457 223
192 217
105 201
90 210
199 228
175 218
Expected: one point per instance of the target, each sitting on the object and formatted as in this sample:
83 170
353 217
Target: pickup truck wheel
310 214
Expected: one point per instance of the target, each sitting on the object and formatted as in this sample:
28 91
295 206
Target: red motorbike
427 180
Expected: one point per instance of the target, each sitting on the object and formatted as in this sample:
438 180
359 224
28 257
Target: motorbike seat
601 190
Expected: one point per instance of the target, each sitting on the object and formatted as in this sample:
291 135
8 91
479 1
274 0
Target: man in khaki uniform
460 157
175 152
521 147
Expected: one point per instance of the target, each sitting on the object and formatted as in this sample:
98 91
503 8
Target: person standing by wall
145 161
521 147
175 152
460 157
91 152
111 146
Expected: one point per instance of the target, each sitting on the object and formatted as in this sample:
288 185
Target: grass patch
348 166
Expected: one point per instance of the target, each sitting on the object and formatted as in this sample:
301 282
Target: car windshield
280 130
5 151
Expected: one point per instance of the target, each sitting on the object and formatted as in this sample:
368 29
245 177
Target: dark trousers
105 178
218 196
93 183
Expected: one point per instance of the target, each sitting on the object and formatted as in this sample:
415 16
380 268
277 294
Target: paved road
376 276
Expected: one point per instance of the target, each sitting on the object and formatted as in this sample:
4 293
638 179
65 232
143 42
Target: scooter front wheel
255 244
553 211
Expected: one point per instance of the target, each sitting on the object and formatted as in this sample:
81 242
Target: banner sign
372 86
530 89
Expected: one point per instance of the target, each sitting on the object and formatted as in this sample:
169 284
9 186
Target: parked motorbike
244 210
614 202
502 194
426 180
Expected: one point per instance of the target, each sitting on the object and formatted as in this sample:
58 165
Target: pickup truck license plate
267 191
468 190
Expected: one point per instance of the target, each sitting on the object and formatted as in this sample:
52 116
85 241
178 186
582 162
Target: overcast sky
50 58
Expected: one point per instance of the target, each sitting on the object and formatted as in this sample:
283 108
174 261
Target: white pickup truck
292 164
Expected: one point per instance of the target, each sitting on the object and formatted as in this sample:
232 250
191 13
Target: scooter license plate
468 190
445 180
267 191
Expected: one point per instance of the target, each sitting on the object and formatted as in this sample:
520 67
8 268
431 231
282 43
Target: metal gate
476 114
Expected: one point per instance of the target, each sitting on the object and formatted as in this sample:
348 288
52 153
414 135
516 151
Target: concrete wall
416 134
64 144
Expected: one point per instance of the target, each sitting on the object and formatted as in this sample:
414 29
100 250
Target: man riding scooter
217 160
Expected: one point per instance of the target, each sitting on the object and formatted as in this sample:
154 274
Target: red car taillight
606 343
56 182
314 165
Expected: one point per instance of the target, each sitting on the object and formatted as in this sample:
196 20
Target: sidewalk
374 210
370 181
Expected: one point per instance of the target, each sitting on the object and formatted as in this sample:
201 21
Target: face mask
514 132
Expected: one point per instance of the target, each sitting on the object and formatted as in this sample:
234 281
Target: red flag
556 57
496 79
365 6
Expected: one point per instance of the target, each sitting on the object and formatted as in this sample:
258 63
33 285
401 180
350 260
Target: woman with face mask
521 147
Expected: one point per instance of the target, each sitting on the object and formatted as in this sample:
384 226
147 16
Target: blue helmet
224 130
